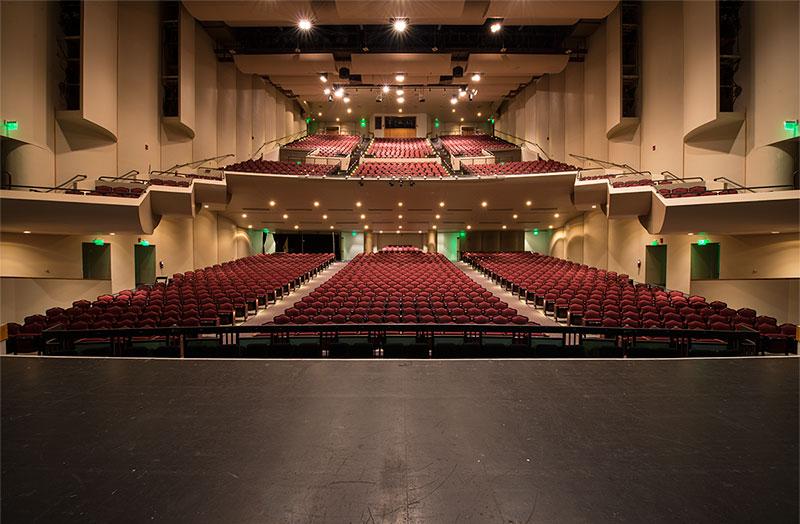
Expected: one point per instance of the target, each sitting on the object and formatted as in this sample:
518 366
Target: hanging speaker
458 72
344 72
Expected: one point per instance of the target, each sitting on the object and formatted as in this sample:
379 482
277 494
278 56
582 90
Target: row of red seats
400 148
680 192
400 170
517 168
213 295
400 287
584 295
283 168
400 249
328 145
459 145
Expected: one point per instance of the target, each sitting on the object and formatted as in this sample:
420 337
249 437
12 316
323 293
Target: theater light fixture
324 217
528 203
454 100
504 226
244 215
399 92
346 100
469 226
399 24
323 78
399 204
339 93
316 204
484 203
285 216
462 93
514 216
271 203
438 217
304 24
326 91
556 215
349 110
400 100
358 204
476 77
296 226
441 204
400 77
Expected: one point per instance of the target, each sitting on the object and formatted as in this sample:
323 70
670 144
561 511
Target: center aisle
528 310
267 314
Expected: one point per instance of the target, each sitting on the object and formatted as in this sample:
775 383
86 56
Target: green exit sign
791 126
11 125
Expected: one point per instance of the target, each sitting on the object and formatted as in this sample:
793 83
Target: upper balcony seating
400 170
585 295
205 296
400 249
283 168
518 168
400 288
104 190
328 145
400 148
473 145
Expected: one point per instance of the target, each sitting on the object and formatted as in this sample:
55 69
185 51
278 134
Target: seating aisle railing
520 141
279 142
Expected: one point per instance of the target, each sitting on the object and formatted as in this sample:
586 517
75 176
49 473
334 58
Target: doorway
705 261
144 264
655 268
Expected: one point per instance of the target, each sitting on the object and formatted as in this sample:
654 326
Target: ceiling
352 42
251 194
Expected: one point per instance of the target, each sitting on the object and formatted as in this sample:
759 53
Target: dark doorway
144 264
655 268
308 243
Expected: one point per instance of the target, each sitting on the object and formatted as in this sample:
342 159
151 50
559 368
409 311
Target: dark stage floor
399 441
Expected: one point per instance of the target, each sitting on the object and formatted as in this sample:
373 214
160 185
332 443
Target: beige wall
33 296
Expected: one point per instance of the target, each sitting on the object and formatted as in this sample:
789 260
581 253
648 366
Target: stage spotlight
476 77
323 78
400 24
399 77
304 24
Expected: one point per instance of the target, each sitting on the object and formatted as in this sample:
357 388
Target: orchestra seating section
474 145
328 145
400 249
588 296
405 287
209 296
400 148
518 168
400 170
274 167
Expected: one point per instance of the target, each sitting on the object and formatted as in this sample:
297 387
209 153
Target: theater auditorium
399 261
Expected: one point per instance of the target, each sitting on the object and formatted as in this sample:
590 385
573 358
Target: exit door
655 269
144 264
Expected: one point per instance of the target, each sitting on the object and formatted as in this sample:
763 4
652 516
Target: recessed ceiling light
484 203
400 25
337 118
244 215
476 77
462 118
296 226
381 231
400 99
419 231
399 227
550 226
205 206
434 226
331 227
249 226
363 216
773 232
271 203
319 114
316 204
358 204
323 79
399 77
346 100
349 110
556 215
594 206
690 234
400 110
438 217
400 92
339 93
528 203
399 204
495 27
400 217
285 216
112 234
462 93
515 216
326 91
504 226
479 113
304 24
324 217
441 204
385 89
469 226
454 101
366 226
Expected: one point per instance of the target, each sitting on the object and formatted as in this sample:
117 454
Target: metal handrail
729 181
44 189
299 134
526 141
73 180
172 173
125 177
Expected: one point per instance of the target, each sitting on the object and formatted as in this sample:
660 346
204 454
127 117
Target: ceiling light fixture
304 24
205 206
438 217
337 118
244 215
515 216
462 118
484 203
399 92
400 110
324 217
400 100
528 203
462 93
271 203
339 93
479 113
363 216
441 204
556 215
326 91
469 226
504 226
385 89
285 216
399 204
296 226
399 24
399 77
454 100
495 27
476 77
349 110
358 204
331 227
316 204
323 78
27 232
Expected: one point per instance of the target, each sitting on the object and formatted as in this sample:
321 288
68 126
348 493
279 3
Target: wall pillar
368 241
432 241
